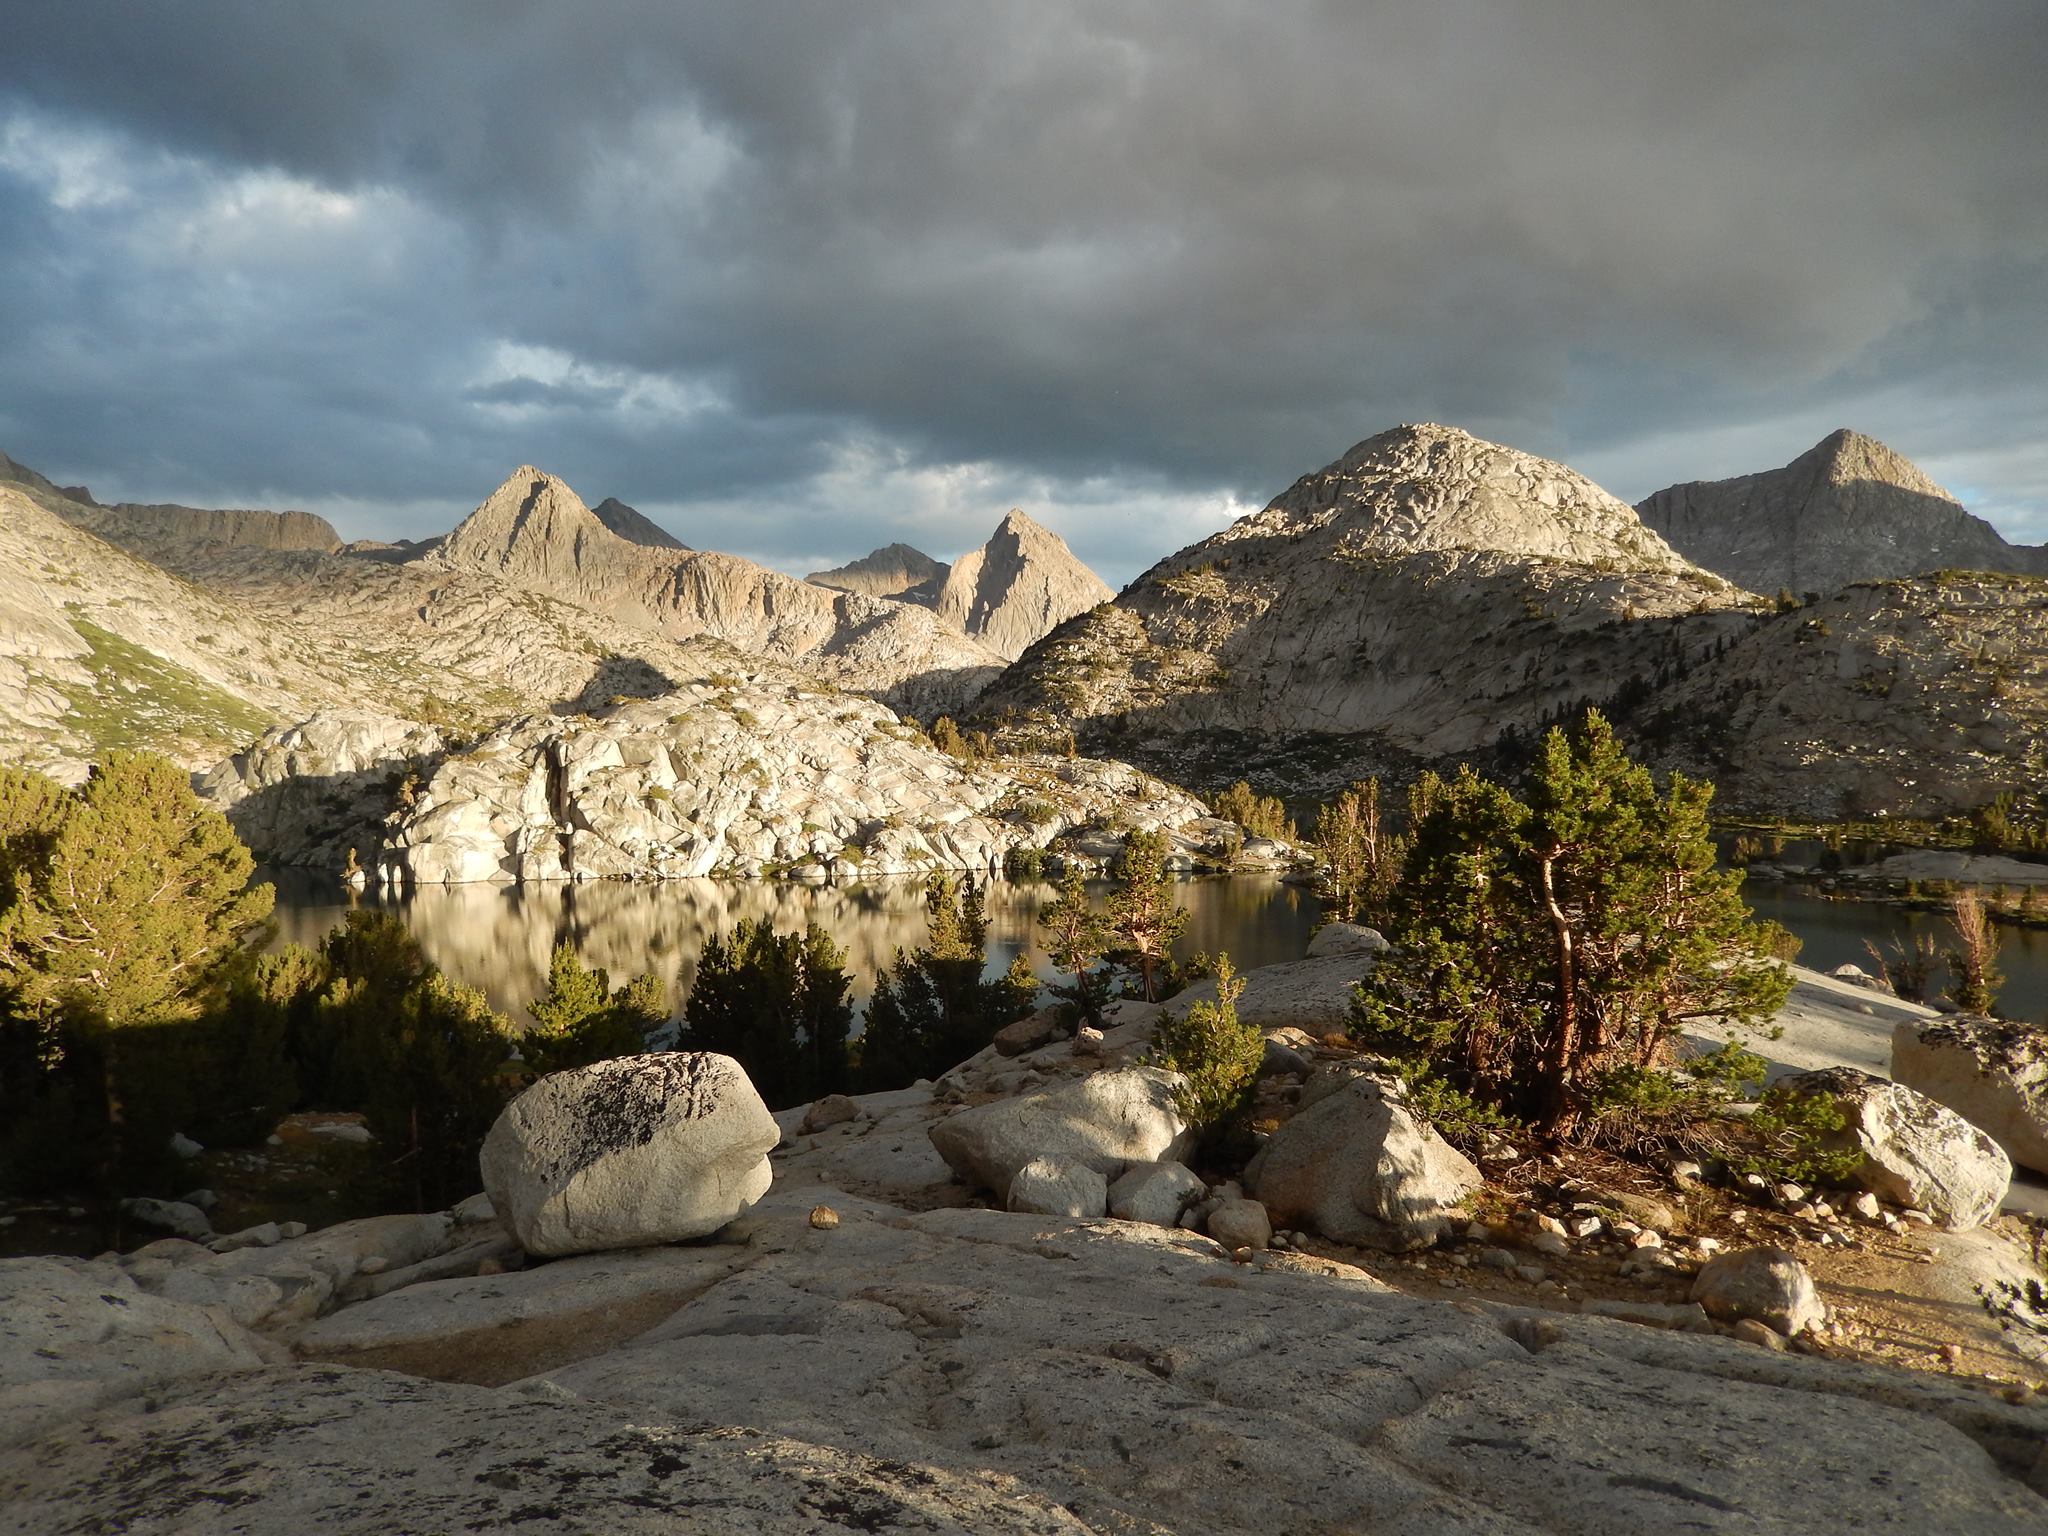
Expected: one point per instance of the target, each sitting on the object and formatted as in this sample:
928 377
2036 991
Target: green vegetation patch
138 701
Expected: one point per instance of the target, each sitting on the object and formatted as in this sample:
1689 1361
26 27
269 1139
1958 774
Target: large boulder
1105 1121
1992 1072
1312 994
629 1152
1357 1165
1345 939
1769 1285
1915 1152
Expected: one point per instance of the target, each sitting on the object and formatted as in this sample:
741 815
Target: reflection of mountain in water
499 937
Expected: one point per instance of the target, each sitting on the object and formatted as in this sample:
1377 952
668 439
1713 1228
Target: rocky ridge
1416 598
535 534
1923 696
629 524
157 531
894 570
1018 587
1848 509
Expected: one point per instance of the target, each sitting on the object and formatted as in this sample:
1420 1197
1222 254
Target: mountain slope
1418 598
1018 587
894 570
100 649
628 524
1848 509
1922 696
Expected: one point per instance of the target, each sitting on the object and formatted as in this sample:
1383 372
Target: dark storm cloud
828 272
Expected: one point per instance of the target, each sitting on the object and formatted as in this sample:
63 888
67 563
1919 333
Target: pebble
1087 1041
1584 1226
1919 1218
1548 1224
1533 1273
824 1218
1646 1239
1864 1204
1550 1243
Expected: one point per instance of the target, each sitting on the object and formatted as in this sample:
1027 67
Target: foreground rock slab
345 1452
629 1152
977 1370
75 1334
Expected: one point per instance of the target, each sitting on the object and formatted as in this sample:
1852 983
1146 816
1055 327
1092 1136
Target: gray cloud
813 274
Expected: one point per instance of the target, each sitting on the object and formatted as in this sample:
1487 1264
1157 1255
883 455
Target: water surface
498 938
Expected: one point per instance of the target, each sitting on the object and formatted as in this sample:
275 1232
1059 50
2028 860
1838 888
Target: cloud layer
804 278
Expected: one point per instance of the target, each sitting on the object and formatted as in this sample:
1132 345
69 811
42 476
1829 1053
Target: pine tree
933 1008
437 1074
125 906
580 1019
1216 1052
1076 937
1144 918
1973 959
1361 858
1550 949
775 1003
1260 815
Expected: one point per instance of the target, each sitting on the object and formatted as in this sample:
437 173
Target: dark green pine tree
1077 937
933 1008
1549 947
777 1004
580 1019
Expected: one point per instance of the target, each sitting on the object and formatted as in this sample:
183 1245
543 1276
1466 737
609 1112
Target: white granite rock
1992 1072
1769 1285
629 1152
1916 1152
1107 1121
1050 1186
1155 1192
1355 1164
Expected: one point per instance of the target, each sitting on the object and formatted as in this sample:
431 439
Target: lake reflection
498 938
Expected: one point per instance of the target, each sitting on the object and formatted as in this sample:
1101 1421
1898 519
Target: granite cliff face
894 570
1018 587
748 775
1419 597
1848 509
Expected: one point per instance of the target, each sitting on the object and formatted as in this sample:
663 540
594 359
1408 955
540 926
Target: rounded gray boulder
630 1152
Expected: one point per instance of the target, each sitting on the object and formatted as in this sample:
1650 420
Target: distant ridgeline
1834 638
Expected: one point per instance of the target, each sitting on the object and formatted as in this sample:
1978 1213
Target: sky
797 280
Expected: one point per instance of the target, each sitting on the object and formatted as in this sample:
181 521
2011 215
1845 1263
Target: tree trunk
1558 1110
